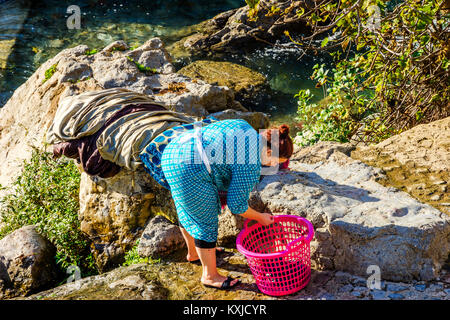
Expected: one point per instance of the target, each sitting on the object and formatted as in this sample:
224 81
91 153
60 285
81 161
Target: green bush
343 110
252 3
132 257
46 195
400 70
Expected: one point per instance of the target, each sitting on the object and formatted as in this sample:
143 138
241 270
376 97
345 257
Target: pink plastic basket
278 254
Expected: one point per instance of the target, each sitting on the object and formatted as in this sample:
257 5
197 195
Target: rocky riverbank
358 222
341 251
175 279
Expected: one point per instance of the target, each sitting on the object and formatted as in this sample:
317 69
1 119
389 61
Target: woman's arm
264 218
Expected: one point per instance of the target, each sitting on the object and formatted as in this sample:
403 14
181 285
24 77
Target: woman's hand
265 219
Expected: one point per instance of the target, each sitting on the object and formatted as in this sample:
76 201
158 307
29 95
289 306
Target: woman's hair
286 146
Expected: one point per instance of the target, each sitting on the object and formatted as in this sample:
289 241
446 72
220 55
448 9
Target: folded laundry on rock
85 149
84 114
124 140
107 129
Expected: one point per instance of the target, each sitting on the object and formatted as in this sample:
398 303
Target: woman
199 163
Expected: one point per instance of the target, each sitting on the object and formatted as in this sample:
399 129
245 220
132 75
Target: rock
160 237
420 287
359 292
173 278
320 151
153 55
159 281
132 283
327 296
227 32
321 278
346 288
229 227
421 160
436 197
378 294
26 263
409 146
119 45
360 282
395 287
446 278
56 43
342 277
246 83
106 38
436 287
257 120
115 211
6 47
396 296
358 222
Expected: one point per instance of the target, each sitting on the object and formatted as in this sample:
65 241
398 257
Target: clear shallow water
44 34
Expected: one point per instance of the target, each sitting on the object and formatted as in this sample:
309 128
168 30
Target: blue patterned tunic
151 155
233 151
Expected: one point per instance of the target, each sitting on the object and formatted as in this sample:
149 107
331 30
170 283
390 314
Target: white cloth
197 135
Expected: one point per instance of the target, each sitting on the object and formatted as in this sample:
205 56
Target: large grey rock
115 211
247 84
229 31
416 161
258 120
160 237
136 282
357 221
26 263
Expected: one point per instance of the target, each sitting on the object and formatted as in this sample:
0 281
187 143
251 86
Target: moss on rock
245 82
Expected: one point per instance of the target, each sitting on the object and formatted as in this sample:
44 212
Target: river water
43 33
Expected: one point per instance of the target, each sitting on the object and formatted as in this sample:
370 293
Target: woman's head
284 144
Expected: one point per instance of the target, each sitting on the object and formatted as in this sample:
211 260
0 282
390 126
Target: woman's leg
210 275
192 253
198 206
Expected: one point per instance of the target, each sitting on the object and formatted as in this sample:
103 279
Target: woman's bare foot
192 257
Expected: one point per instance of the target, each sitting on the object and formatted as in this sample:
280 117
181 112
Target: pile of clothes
106 130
